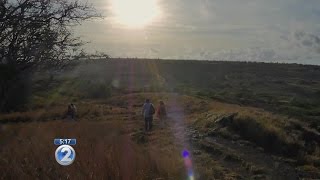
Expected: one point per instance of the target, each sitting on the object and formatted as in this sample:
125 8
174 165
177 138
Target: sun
135 13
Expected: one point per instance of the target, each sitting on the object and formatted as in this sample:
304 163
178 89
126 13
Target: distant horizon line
230 61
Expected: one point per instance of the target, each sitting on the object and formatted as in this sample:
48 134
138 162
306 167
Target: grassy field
237 120
289 89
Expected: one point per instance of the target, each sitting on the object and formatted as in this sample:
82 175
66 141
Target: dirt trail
243 157
251 160
240 157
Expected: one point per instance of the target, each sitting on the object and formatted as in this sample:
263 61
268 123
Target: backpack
152 110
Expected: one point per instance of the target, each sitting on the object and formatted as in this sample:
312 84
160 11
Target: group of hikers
148 112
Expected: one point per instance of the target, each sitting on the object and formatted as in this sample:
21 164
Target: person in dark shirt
147 112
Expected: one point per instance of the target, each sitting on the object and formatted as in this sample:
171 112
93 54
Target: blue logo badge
65 155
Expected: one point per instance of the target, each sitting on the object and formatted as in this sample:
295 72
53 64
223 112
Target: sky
247 30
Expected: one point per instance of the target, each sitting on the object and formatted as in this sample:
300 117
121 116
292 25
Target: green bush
98 91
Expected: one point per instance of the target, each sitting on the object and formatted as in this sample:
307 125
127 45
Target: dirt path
243 157
240 157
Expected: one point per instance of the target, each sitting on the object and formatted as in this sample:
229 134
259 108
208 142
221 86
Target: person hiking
147 112
72 110
161 113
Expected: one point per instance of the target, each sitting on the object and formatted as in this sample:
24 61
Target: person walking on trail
148 111
161 113
71 112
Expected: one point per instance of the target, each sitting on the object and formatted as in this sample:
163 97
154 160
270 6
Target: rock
225 120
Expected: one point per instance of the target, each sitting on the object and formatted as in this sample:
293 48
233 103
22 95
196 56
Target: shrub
14 90
272 139
98 91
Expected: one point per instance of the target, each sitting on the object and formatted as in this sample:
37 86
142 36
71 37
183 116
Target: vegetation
289 89
35 34
238 120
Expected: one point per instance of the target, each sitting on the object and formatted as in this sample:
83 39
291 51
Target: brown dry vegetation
112 145
105 149
239 120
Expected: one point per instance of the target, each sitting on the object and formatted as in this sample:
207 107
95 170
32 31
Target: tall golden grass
105 149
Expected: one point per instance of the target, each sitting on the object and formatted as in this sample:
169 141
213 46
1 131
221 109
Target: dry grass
104 150
107 148
276 134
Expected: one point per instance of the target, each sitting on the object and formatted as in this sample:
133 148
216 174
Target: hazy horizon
269 31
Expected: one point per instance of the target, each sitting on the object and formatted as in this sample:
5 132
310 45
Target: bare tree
37 33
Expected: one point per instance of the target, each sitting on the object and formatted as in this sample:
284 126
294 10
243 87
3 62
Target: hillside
289 89
237 121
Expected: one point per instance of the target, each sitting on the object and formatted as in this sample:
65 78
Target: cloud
306 40
246 30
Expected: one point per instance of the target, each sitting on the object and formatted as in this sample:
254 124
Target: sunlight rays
135 14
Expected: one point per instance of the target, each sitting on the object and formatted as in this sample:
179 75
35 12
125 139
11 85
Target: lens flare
178 127
185 154
188 164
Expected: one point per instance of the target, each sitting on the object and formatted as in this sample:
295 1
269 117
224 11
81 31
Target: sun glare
135 13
